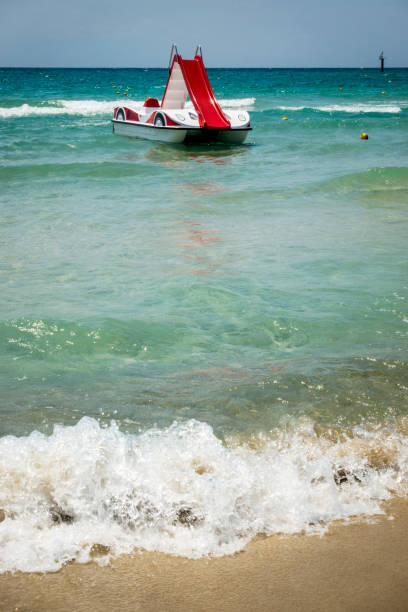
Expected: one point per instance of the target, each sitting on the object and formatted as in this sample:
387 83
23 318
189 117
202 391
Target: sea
199 344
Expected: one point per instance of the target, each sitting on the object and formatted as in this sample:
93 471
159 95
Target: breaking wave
348 108
94 107
241 103
91 491
60 107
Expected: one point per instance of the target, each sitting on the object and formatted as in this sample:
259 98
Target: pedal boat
172 122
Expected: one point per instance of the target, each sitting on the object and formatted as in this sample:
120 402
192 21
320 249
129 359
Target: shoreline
354 566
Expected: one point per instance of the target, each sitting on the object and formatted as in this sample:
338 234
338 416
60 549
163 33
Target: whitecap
347 108
93 107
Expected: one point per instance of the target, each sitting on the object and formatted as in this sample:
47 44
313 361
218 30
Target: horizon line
209 67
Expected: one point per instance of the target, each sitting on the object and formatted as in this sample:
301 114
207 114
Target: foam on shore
182 490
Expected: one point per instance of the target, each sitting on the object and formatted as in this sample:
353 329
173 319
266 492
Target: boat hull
177 135
149 132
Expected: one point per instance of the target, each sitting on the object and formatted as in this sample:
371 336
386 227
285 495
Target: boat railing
173 52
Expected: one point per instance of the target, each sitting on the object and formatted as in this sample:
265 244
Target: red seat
151 103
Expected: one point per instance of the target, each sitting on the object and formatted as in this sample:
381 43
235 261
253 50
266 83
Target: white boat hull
149 132
177 135
237 136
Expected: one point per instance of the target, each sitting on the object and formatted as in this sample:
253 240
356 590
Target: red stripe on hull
170 121
131 115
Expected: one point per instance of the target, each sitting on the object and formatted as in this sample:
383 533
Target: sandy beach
358 566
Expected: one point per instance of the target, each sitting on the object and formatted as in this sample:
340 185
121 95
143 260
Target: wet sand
354 567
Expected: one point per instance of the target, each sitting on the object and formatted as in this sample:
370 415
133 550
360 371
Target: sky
234 33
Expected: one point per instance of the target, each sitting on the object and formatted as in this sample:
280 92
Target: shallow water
235 290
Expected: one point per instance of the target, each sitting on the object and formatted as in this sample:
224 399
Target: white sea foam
94 107
348 108
239 102
231 103
181 490
60 107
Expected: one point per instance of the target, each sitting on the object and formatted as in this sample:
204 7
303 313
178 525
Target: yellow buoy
383 93
125 94
118 92
364 136
284 118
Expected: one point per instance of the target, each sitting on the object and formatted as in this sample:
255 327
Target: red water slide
202 96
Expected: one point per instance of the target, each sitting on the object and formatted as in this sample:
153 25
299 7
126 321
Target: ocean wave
94 107
60 107
239 102
347 108
182 490
101 169
375 182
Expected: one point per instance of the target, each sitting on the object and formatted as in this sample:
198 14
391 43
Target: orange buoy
284 118
364 136
341 89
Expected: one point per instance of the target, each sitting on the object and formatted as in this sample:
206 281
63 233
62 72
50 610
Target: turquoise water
170 282
241 287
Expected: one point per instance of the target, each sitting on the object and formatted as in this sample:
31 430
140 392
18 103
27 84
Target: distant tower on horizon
381 58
